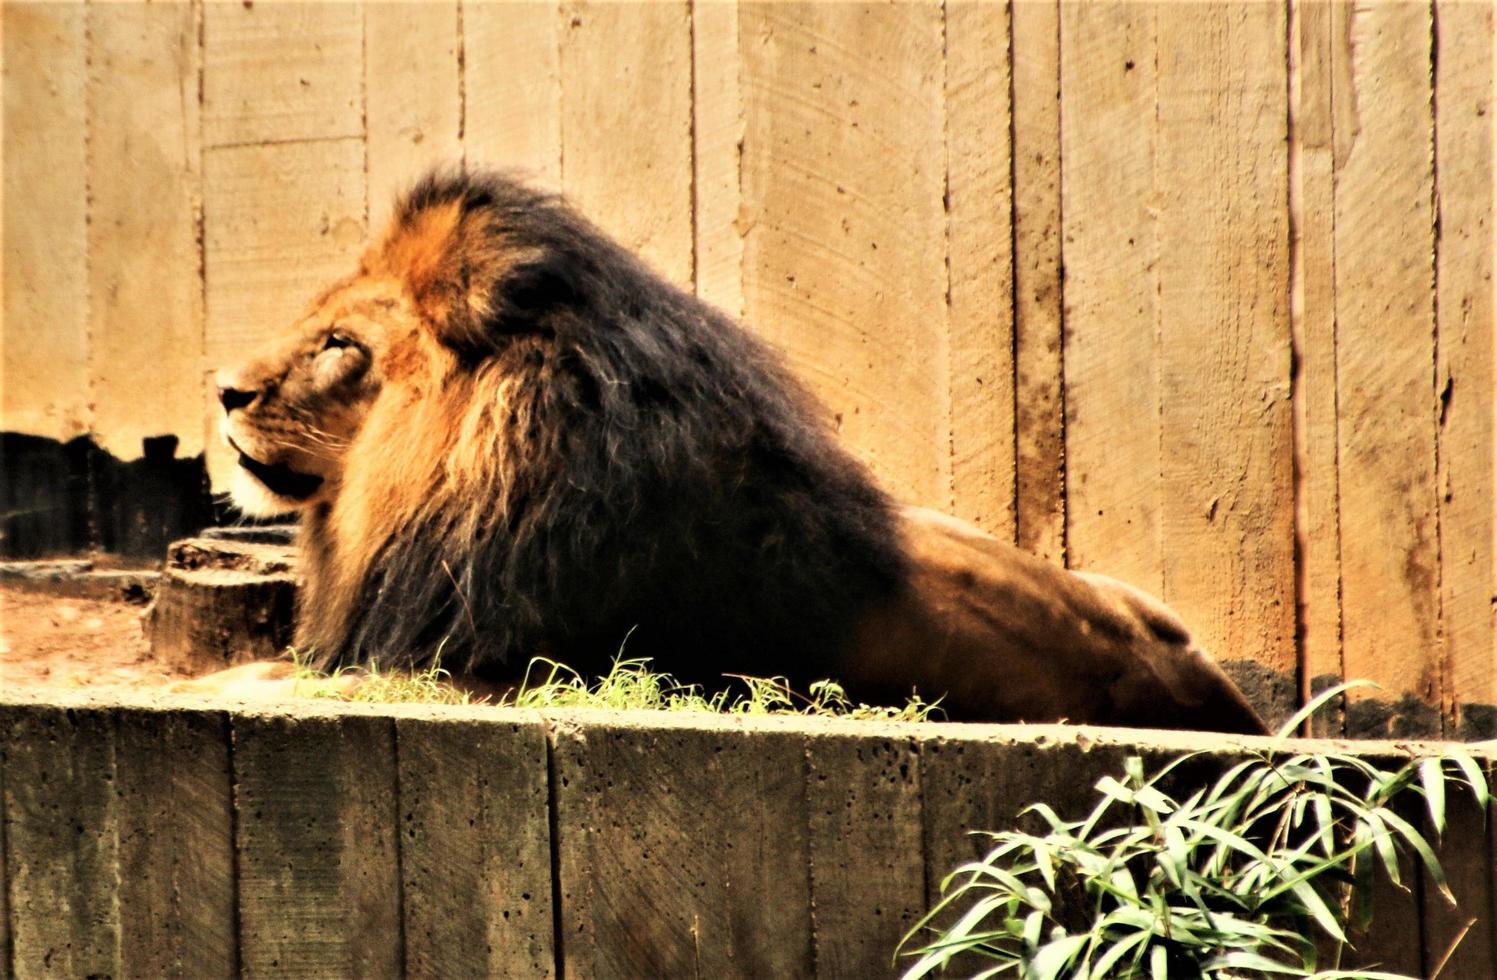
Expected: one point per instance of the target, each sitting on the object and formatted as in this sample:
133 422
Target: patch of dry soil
53 641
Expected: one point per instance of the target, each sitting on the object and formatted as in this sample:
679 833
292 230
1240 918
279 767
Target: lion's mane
571 452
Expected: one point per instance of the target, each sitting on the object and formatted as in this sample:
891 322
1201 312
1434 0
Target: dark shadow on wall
68 498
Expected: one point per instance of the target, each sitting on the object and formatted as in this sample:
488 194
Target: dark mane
648 470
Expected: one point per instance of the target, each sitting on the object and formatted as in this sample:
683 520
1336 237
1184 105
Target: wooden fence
1197 294
190 839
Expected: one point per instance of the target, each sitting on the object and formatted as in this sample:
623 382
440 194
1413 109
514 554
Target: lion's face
291 413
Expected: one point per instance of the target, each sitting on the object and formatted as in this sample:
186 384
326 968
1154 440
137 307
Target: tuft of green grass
630 684
1233 880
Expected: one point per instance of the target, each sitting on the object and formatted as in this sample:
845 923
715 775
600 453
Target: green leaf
1432 776
1054 957
1159 964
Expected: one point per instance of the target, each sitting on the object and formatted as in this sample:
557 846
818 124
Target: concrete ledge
170 835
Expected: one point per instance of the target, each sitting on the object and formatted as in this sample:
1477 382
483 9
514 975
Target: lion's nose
233 398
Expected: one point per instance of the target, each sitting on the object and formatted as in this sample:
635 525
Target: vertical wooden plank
845 231
1039 411
643 105
1467 372
681 850
60 836
1112 397
1461 935
281 221
475 848
1226 440
176 847
44 384
1313 317
717 149
284 188
145 275
969 785
413 97
979 214
511 88
278 72
319 878
1386 366
867 861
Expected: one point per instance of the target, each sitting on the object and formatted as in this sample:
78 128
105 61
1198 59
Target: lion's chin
254 499
259 490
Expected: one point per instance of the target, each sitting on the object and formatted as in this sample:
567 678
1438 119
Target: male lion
507 437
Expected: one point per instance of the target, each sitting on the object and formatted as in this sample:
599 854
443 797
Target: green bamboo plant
1235 879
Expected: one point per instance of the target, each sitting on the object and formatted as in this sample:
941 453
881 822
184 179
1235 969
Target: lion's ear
471 286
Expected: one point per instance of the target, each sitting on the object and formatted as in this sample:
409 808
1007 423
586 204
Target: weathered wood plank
1461 936
980 288
617 106
176 847
970 786
1467 378
1386 365
845 231
1039 413
412 96
717 150
1313 316
44 346
316 837
512 88
145 191
277 72
280 222
475 848
60 840
1113 488
682 850
1226 439
863 799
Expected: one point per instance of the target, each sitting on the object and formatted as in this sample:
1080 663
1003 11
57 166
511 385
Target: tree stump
225 598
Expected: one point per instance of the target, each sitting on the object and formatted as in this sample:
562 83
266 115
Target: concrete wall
194 839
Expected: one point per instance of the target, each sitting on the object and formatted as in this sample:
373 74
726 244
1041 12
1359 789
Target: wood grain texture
717 153
1107 88
280 222
980 285
1463 936
413 114
626 126
1226 440
1467 374
316 839
176 847
1039 371
1386 363
60 841
44 377
845 232
145 193
280 72
1313 317
682 852
863 799
475 848
511 88
969 787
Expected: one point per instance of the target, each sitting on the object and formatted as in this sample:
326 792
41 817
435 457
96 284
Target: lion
507 437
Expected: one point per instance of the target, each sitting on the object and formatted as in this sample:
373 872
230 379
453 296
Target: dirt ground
52 641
